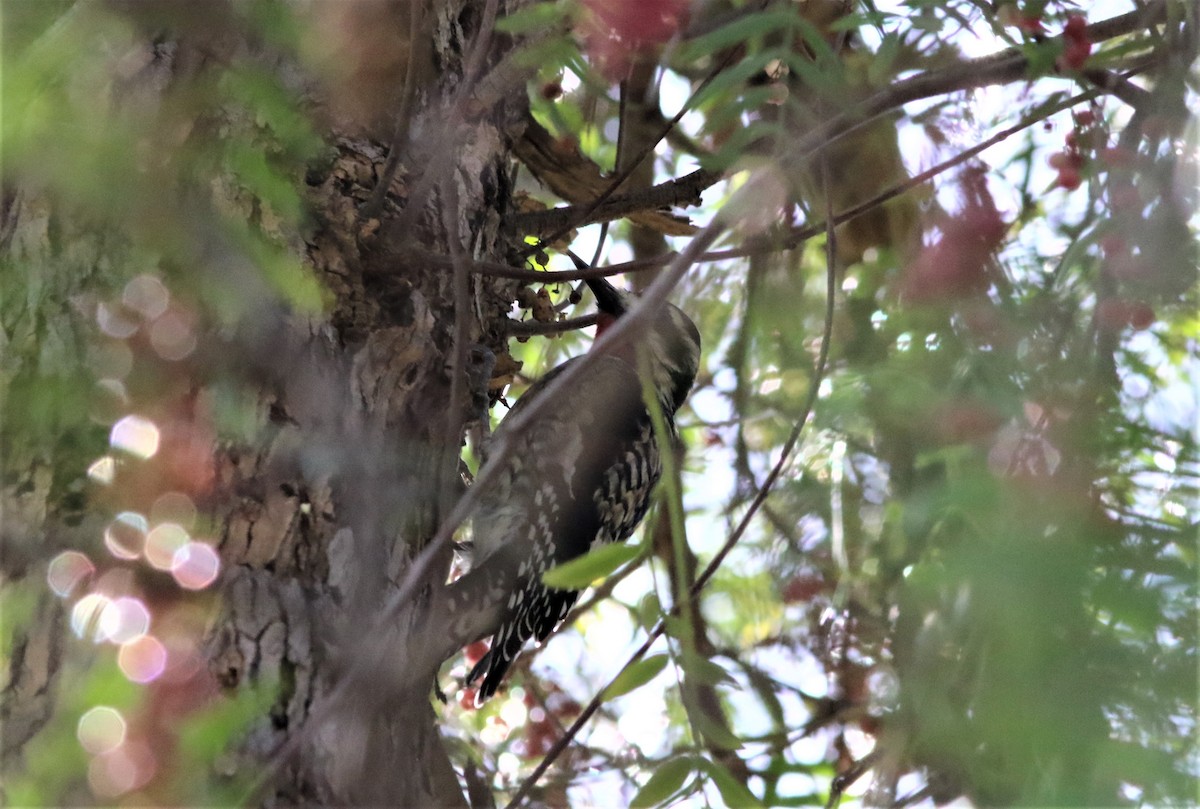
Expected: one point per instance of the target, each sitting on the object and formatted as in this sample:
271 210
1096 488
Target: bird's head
673 341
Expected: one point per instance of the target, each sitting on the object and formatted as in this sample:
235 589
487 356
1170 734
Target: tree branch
524 328
683 191
1007 66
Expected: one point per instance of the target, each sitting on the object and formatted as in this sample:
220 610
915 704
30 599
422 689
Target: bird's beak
607 297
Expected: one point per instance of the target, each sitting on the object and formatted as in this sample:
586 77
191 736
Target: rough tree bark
362 412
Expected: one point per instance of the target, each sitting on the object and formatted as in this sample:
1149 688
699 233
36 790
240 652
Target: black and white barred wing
580 475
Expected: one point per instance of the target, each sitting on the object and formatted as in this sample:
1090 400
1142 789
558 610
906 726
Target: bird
580 476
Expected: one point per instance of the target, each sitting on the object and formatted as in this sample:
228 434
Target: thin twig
1007 66
525 328
796 236
626 172
791 238
581 272
844 781
1118 85
681 191
1000 68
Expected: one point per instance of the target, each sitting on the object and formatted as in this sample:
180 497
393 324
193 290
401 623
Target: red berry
475 652
1141 315
870 724
1030 24
1076 27
1065 160
1069 178
1085 117
1075 54
802 588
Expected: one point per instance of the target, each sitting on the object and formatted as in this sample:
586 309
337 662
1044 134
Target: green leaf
732 790
294 281
703 670
581 572
665 782
735 147
814 38
649 610
715 732
733 79
927 22
751 98
881 67
546 54
741 30
635 676
535 17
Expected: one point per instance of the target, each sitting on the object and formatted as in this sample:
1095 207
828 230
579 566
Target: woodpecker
581 476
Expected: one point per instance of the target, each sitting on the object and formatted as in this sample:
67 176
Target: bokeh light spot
142 659
85 615
195 566
126 535
124 619
136 435
172 336
114 321
67 570
513 712
494 732
119 771
184 661
508 763
174 507
163 543
147 296
101 729
103 470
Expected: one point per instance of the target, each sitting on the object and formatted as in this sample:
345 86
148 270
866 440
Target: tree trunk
361 412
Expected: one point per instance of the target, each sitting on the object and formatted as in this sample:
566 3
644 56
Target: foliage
975 575
963 546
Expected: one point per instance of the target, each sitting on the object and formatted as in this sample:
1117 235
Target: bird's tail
506 645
